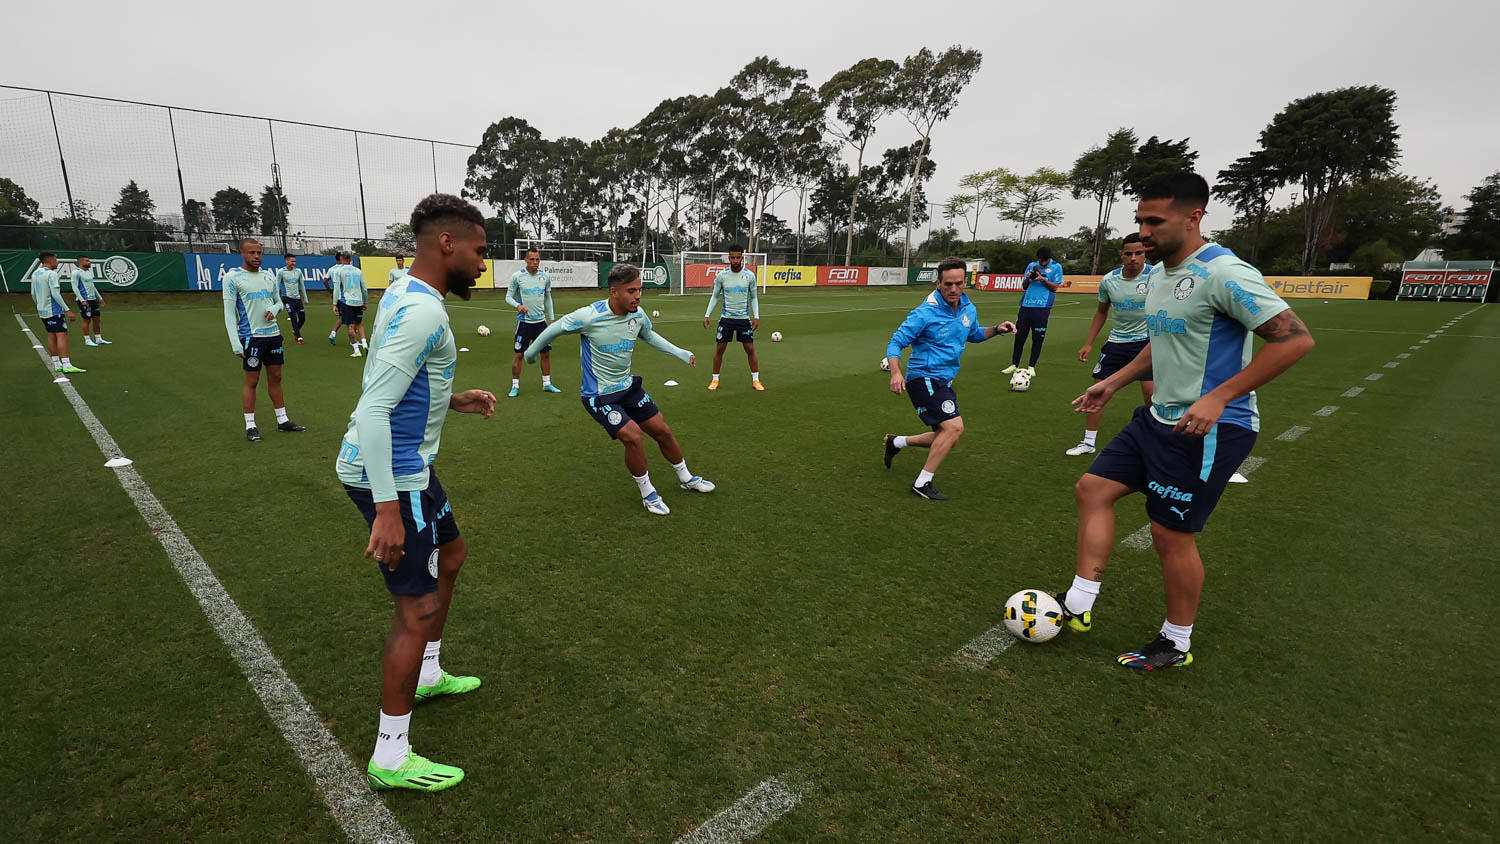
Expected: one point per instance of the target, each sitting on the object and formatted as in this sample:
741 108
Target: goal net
696 271
567 250
195 246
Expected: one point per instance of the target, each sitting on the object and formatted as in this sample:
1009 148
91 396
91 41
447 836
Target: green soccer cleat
417 773
1009 369
71 368
447 685
1161 653
1078 623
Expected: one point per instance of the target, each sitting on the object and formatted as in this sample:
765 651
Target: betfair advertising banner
113 271
1320 287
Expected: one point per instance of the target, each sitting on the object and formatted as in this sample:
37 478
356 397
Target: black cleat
252 434
928 492
289 426
890 449
1161 653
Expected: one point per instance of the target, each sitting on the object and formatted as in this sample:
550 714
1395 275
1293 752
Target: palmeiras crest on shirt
1184 288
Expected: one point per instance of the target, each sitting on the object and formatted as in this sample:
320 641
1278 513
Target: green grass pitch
642 673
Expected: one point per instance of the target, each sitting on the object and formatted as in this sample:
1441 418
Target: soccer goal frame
679 285
521 244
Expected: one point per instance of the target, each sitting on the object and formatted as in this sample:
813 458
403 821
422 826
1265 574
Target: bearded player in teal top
1202 305
89 301
385 464
740 315
610 393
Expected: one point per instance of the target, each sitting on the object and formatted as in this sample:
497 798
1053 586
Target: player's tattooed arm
1282 327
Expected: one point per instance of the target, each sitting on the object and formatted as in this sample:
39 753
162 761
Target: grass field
641 674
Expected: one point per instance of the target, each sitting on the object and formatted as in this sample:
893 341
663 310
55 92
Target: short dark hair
441 209
1044 253
734 249
245 240
1183 188
42 256
623 274
1133 237
290 257
80 255
531 249
343 255
952 264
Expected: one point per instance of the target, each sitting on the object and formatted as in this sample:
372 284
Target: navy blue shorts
428 519
1182 476
89 308
351 314
527 332
933 399
1114 356
1032 319
56 325
728 328
291 304
262 351
613 410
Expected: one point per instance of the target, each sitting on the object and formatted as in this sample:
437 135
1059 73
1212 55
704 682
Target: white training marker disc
117 462
464 349
1237 478
670 384
59 379
36 347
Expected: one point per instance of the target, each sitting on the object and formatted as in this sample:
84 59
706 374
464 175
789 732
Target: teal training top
348 284
533 291
1127 304
397 426
608 342
291 284
740 296
46 293
247 298
83 285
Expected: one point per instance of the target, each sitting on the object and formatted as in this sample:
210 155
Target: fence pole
434 166
360 170
276 192
181 191
67 187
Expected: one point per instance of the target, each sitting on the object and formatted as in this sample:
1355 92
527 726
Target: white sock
755 376
431 671
515 383
281 414
1180 634
644 482
354 344
899 442
332 334
56 362
546 380
682 471
98 337
1081 595
1089 437
249 421
923 477
391 741
716 376
67 361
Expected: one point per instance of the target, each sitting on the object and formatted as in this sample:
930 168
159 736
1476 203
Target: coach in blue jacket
1038 291
937 332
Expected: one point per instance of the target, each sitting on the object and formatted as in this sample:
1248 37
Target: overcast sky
1056 79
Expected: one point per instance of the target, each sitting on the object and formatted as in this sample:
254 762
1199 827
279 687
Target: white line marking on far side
1292 433
982 649
1392 364
1352 392
1403 355
1374 376
1327 410
342 785
748 816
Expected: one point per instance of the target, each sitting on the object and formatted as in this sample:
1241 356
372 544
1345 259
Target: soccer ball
655 314
1032 615
885 364
484 331
775 336
1020 381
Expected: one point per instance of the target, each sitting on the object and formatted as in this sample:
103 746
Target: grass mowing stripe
1292 433
748 816
354 807
982 649
1326 410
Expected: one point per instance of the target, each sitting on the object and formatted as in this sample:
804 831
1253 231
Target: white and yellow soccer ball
655 314
1032 615
885 364
484 331
1020 381
775 336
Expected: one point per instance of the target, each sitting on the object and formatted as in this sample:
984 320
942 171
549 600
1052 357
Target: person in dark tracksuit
1038 291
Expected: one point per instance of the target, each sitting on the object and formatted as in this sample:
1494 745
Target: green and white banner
113 272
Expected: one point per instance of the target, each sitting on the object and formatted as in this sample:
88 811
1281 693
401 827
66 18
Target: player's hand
1083 354
72 317
522 310
1201 417
692 359
898 383
387 535
481 402
240 355
705 322
755 324
1007 327
1094 398
270 316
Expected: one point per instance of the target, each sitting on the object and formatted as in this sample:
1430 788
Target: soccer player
1122 299
250 307
938 331
530 293
293 289
348 285
53 311
739 315
399 272
89 301
610 394
385 464
1202 307
1038 293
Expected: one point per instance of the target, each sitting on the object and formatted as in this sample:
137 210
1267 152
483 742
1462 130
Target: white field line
748 816
1392 364
982 649
1292 433
355 808
1374 376
1140 538
1326 410
1403 356
1352 392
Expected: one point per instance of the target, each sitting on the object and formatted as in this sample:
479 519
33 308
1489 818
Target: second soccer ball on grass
484 331
775 336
